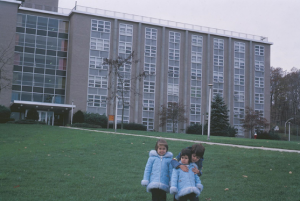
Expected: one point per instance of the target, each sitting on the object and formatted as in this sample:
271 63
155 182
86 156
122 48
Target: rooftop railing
148 20
64 11
168 23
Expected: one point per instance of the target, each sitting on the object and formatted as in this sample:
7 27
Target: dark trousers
191 197
158 195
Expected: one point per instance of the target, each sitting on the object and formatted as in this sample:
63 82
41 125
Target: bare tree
253 119
122 83
174 112
6 59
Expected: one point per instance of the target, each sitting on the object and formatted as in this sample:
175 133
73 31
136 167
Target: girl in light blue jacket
158 171
186 185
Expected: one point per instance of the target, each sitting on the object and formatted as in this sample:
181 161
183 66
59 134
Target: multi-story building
57 63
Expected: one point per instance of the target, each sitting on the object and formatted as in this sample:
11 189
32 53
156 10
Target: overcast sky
279 20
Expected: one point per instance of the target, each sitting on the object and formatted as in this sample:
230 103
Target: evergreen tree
219 117
78 117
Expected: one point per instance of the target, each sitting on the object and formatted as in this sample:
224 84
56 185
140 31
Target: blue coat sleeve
174 182
170 171
175 162
198 183
147 172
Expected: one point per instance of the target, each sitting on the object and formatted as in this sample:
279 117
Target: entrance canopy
57 108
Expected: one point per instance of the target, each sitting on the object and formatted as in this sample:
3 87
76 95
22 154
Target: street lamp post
202 124
72 113
116 113
289 131
285 126
209 112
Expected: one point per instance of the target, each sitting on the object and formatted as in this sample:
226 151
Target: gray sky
276 19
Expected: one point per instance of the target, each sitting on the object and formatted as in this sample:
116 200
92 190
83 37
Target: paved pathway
193 141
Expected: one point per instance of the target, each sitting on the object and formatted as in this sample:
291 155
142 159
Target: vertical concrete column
137 70
185 94
162 69
230 81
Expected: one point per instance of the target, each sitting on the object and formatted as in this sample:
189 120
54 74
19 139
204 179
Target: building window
259 78
239 86
41 72
149 81
218 63
98 73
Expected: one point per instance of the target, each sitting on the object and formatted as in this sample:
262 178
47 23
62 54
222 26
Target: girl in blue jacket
186 185
158 171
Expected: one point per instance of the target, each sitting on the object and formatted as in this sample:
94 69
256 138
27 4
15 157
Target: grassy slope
293 145
51 163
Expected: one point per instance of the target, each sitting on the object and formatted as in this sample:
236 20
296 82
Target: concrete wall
51 3
8 21
78 60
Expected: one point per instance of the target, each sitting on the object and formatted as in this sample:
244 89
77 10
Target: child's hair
198 149
186 152
161 142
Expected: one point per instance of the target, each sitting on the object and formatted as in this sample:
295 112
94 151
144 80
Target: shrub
32 114
231 131
4 114
95 119
194 129
27 121
271 135
78 117
85 125
130 126
134 126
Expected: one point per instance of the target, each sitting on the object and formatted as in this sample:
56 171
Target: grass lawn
292 145
39 162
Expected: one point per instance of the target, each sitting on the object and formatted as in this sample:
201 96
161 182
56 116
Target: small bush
130 126
271 135
85 125
194 129
4 114
32 114
78 117
28 121
231 131
134 126
95 119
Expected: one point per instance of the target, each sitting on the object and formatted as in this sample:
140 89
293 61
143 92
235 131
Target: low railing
65 11
143 19
168 23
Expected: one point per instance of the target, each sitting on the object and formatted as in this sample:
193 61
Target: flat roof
12 1
16 104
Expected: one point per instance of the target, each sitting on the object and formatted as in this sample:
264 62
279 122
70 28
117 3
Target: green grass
40 162
292 145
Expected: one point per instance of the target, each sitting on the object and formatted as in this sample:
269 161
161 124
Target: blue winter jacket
158 171
175 163
184 183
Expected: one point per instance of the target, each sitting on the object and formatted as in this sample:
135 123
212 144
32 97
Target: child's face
161 150
184 160
195 158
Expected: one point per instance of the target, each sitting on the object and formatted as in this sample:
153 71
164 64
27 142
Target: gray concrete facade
78 64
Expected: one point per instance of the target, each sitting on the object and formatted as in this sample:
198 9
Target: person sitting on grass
186 185
158 171
197 157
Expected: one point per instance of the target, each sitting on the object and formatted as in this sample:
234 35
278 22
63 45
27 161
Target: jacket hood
154 153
